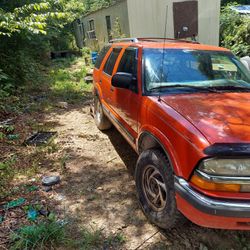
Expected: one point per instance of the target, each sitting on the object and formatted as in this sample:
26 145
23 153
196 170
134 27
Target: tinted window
128 62
109 66
101 56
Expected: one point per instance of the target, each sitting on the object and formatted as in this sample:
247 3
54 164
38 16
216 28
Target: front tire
101 121
155 188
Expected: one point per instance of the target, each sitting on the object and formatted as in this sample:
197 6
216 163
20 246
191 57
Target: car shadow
124 150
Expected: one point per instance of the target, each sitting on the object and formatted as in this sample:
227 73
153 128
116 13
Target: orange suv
185 109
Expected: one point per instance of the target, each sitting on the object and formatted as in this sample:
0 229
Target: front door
126 101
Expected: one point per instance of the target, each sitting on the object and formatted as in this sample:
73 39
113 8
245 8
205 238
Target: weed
6 175
68 83
9 128
2 135
88 239
95 239
39 236
63 161
52 147
117 239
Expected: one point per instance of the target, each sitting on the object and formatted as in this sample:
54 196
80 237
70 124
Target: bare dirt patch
98 190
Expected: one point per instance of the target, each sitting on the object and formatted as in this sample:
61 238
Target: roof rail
154 39
133 40
150 39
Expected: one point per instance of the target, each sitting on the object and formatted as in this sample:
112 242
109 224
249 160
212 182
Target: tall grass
39 236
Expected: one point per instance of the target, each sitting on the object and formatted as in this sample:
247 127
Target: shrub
235 32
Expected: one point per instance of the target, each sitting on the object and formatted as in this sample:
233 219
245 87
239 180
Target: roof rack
133 40
151 39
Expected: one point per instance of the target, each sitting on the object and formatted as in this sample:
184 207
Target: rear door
107 74
99 62
126 101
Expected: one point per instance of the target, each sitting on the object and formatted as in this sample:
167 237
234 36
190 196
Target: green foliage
92 5
91 239
6 175
86 52
68 83
225 2
29 29
95 239
29 17
235 31
39 236
117 31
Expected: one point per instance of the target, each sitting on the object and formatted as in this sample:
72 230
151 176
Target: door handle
100 81
112 89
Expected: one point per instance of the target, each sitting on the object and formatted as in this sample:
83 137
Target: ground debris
51 180
62 105
40 138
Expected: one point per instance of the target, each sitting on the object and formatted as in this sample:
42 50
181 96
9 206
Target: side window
109 66
101 56
128 63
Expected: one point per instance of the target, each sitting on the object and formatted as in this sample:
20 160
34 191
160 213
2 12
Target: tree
28 29
92 5
235 31
225 2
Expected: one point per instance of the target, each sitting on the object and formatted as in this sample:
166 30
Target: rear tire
101 121
155 189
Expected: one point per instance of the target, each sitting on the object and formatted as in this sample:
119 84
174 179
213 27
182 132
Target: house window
108 24
91 32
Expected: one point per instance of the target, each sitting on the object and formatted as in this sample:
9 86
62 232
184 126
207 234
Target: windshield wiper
210 89
231 87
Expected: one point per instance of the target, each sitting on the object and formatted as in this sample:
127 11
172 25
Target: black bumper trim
226 208
228 149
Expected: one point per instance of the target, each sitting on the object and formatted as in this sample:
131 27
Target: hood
220 117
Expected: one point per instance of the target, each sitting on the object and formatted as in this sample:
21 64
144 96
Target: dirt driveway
98 189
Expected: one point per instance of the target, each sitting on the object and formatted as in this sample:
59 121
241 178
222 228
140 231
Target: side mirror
122 80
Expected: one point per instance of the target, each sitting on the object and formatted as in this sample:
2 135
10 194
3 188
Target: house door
185 19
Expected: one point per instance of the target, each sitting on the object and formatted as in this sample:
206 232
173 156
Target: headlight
226 167
226 175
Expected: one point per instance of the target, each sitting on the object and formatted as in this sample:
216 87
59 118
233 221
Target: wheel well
147 141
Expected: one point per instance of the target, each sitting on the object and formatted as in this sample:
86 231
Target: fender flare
171 157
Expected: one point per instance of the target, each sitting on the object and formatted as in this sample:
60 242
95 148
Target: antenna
163 51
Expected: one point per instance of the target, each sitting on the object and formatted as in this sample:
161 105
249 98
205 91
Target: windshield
193 69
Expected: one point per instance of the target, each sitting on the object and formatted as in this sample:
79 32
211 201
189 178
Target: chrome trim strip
226 208
224 179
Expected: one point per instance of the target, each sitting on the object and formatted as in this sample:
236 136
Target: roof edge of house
115 3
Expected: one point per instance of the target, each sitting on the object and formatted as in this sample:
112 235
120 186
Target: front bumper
210 212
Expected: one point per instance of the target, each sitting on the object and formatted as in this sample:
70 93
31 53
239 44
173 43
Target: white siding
147 18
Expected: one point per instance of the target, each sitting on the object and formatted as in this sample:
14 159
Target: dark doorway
185 19
108 24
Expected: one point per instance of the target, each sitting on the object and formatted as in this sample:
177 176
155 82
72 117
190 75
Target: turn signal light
212 186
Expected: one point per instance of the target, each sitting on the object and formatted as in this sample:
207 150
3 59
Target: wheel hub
154 188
